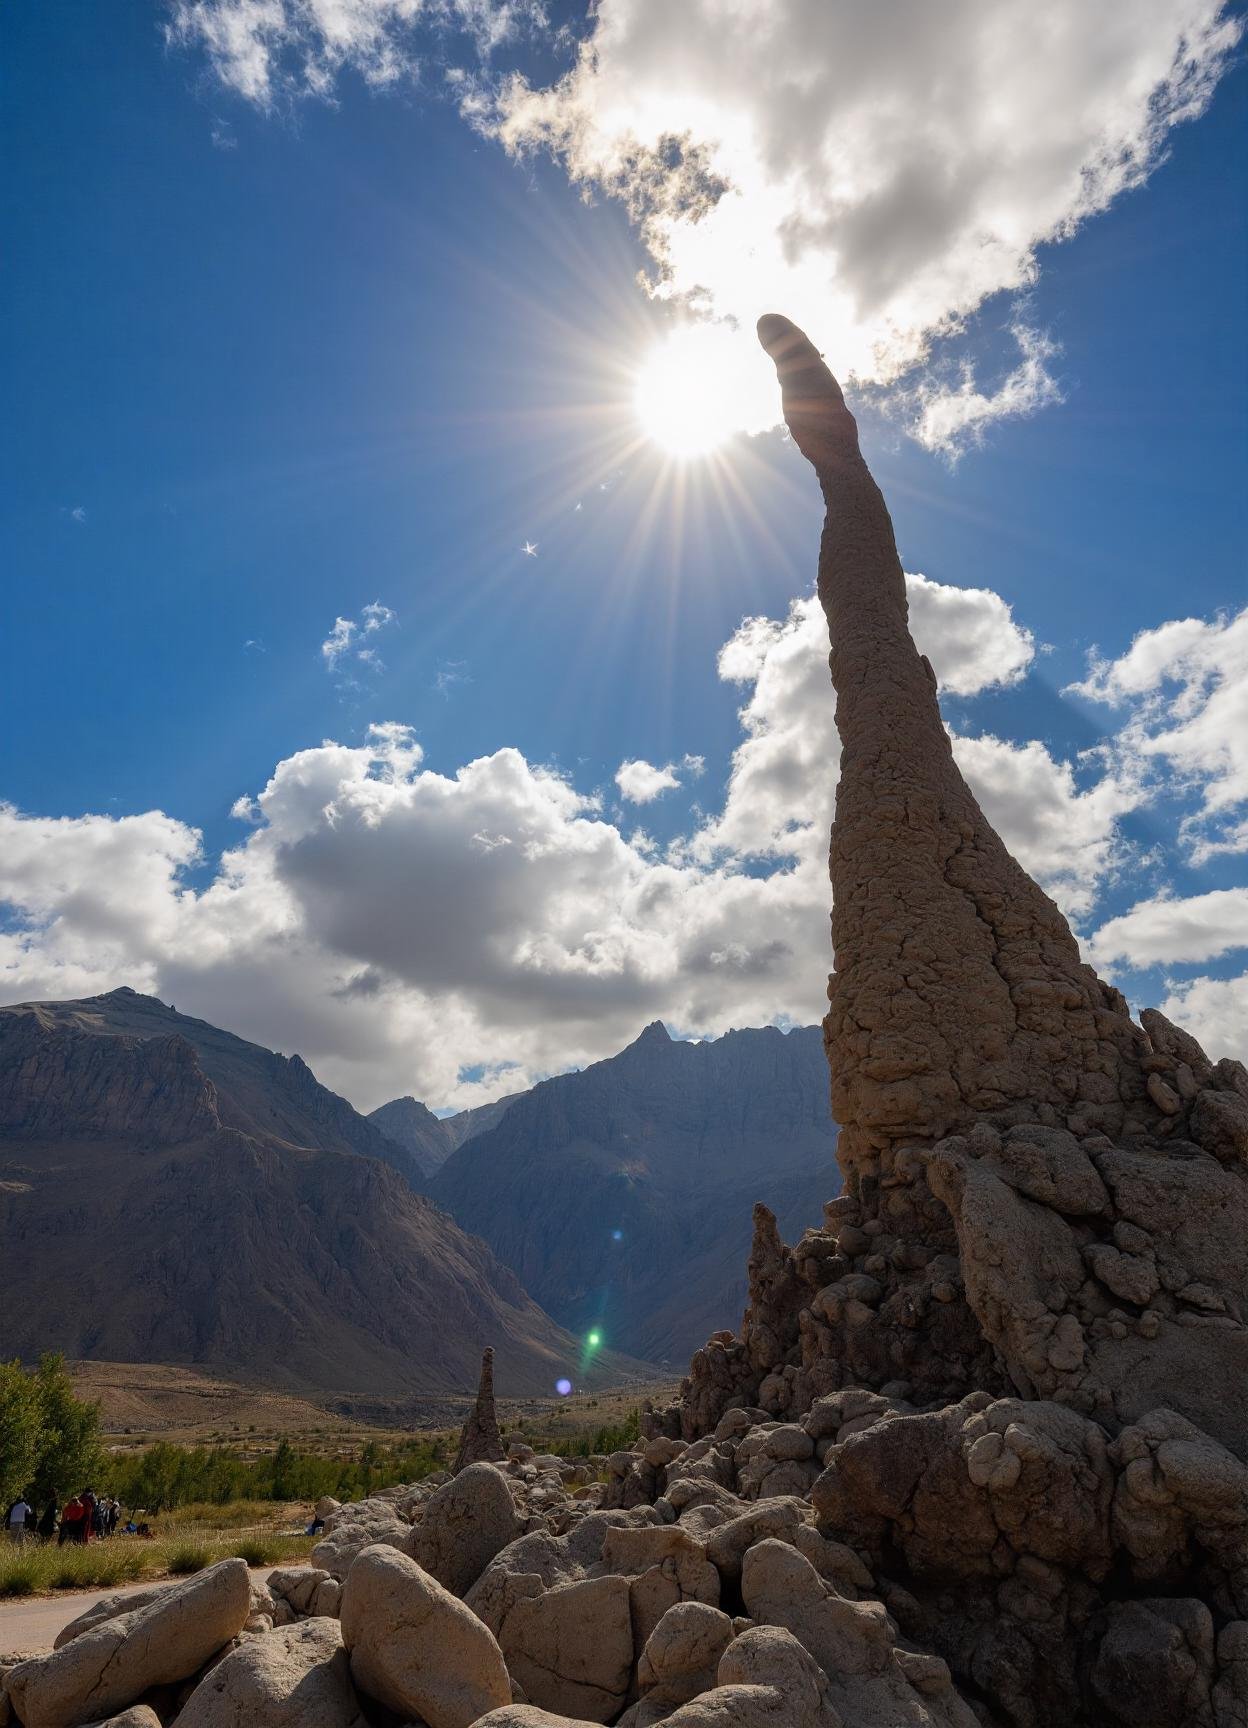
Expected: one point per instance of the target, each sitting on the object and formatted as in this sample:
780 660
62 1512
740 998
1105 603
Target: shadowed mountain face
621 1195
147 1216
255 1090
431 1139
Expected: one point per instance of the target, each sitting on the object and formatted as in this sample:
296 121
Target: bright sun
687 394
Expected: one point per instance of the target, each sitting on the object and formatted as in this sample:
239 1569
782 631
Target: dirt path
28 1627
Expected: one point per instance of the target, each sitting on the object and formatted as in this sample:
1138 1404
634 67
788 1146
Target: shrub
19 1575
187 1557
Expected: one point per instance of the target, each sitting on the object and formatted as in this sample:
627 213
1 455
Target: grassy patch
176 1552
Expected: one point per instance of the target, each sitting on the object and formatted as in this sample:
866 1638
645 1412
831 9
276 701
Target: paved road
29 1626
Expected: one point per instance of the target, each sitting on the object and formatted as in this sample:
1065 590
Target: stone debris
978 1455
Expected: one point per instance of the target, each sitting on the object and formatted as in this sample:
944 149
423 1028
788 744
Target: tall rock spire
480 1440
958 993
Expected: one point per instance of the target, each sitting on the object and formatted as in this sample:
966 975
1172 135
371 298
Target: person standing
19 1512
46 1527
88 1515
71 1522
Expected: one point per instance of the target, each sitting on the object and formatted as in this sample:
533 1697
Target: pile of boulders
508 1595
834 1570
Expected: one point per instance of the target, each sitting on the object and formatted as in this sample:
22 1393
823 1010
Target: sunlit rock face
958 991
1018 1341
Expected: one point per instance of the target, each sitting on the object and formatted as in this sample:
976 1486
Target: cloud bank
878 173
458 934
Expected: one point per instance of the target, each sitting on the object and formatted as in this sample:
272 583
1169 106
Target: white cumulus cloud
1171 930
1185 685
875 172
400 927
641 782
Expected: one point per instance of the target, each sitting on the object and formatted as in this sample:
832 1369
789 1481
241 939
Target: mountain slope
415 1128
621 1195
139 1224
258 1091
431 1139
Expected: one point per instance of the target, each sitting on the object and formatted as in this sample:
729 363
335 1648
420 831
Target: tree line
51 1447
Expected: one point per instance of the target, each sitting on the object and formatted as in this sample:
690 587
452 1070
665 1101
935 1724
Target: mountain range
172 1193
621 1195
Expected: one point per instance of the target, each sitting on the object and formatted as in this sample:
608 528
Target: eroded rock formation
978 1457
480 1440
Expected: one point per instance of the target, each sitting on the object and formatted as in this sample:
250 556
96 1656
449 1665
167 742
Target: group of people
84 1518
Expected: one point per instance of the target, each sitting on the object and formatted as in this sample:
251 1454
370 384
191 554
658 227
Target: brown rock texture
1007 1371
958 990
480 1440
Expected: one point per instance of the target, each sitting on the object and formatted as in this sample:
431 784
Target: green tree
21 1423
69 1451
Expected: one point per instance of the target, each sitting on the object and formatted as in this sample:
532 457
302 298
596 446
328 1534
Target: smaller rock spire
480 1441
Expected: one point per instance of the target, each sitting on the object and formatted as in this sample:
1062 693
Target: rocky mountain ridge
148 1215
621 1194
257 1091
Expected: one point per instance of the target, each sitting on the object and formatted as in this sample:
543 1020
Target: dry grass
198 1537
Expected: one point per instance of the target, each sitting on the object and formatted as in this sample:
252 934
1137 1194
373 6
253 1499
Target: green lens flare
594 1339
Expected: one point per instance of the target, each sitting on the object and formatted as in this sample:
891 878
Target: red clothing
88 1517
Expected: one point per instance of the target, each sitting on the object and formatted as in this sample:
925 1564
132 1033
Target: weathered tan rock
958 989
680 1660
297 1585
356 1527
464 1525
296 1677
109 1607
481 1440
113 1664
765 1680
138 1716
416 1648
571 1648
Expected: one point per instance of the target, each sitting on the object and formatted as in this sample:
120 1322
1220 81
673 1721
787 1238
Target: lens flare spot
617 1235
563 1388
594 1339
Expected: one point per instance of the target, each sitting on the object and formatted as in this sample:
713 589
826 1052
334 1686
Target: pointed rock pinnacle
958 993
479 1440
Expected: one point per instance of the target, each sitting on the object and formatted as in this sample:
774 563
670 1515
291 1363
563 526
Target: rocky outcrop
480 1441
294 1677
414 1647
958 990
468 1521
1012 1343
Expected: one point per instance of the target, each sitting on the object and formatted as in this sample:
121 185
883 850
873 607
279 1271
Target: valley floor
144 1402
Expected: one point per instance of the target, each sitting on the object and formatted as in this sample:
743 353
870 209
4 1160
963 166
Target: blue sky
272 360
